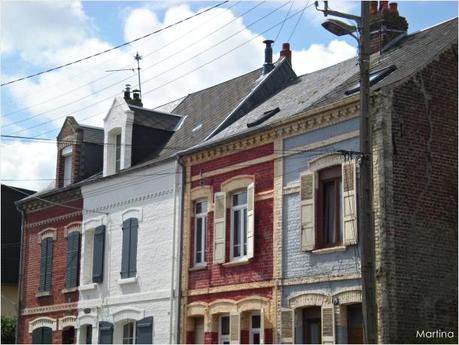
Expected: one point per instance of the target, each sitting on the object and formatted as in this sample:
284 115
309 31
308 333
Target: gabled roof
326 86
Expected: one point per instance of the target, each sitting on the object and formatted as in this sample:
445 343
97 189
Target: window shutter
349 202
98 255
48 245
219 227
129 251
125 249
307 210
133 248
44 249
262 326
47 335
328 324
37 336
144 331
250 220
105 332
287 326
234 328
73 244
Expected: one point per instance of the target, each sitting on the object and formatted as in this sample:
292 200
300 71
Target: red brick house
51 241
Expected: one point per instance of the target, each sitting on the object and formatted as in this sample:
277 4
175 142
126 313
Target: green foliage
8 329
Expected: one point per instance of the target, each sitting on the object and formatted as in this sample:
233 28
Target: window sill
87 287
43 293
237 262
329 250
198 268
69 290
125 281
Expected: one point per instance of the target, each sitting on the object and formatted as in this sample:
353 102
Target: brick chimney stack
286 52
385 24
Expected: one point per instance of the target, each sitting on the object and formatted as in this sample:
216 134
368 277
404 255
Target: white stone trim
86 319
72 227
349 296
325 161
93 223
67 321
306 300
135 212
42 322
47 233
129 313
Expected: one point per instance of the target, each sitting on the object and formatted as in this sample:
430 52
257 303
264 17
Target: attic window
375 77
197 128
266 115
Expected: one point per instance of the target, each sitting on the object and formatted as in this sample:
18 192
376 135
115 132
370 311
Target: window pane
205 239
236 233
67 170
88 334
256 338
198 240
128 333
329 213
225 325
240 199
118 152
255 321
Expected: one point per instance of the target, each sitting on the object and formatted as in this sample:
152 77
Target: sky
210 48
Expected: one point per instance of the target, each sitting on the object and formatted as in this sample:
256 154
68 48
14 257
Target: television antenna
137 57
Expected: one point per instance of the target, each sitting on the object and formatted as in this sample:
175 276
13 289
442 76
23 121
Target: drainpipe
21 251
176 262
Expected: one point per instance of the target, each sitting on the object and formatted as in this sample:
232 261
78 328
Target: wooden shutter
262 326
287 326
219 227
133 248
37 336
98 255
71 274
105 332
250 220
234 328
328 324
349 201
125 249
44 248
144 331
307 210
49 264
47 335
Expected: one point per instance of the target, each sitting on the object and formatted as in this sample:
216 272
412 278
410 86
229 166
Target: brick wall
26 337
420 248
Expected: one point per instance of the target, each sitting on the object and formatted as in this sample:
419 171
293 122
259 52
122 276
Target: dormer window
67 157
117 152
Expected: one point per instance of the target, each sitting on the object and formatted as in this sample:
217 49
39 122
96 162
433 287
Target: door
354 324
312 326
68 335
224 329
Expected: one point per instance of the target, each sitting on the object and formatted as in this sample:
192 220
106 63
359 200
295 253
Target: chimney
373 8
286 52
385 25
268 65
127 93
136 98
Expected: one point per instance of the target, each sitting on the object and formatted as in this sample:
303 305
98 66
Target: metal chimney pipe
268 65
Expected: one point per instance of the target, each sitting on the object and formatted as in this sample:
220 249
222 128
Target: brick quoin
31 265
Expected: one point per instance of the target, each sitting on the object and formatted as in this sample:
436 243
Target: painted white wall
149 194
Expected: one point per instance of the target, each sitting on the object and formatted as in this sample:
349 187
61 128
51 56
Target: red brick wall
420 253
261 267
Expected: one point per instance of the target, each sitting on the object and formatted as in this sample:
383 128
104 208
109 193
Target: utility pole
365 204
366 184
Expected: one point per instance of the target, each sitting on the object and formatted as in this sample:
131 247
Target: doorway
312 325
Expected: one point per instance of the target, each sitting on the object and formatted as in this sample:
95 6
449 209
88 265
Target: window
71 274
87 334
117 152
200 233
67 157
239 225
68 335
129 251
129 333
224 330
42 335
255 328
94 253
330 207
46 264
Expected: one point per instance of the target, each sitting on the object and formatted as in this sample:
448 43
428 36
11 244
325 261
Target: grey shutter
144 331
49 264
98 255
36 336
47 334
73 244
44 248
129 251
105 332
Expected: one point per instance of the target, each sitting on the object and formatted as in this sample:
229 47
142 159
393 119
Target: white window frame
254 331
226 337
204 247
133 322
117 147
242 228
66 155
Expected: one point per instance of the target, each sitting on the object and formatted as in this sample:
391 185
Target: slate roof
93 135
329 85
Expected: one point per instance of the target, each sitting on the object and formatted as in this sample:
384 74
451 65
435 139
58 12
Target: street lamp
365 204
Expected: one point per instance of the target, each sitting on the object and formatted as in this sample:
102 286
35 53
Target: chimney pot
127 93
383 6
286 52
136 98
393 8
373 7
268 65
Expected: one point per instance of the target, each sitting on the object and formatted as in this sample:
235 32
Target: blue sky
40 35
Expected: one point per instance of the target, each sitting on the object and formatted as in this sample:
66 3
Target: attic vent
266 115
197 128
375 77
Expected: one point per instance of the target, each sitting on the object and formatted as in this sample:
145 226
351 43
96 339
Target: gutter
21 253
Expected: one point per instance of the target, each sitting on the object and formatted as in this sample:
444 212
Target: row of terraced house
230 215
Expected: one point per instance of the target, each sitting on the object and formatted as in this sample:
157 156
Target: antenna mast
138 58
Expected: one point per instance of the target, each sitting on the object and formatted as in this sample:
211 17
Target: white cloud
24 164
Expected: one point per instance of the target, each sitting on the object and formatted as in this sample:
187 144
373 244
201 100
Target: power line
297 22
113 48
159 74
124 79
280 29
